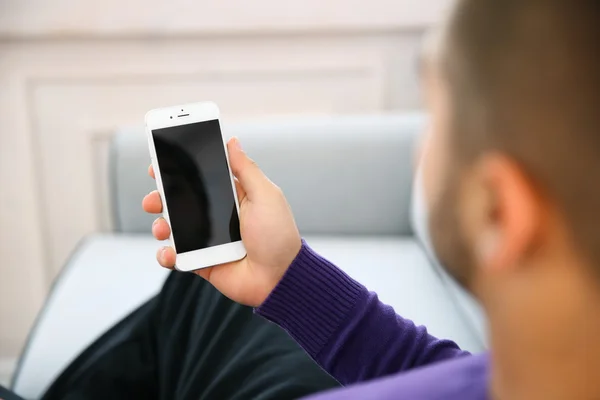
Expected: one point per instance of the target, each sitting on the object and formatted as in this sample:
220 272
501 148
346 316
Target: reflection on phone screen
197 185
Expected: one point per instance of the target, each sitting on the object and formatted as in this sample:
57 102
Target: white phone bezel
184 115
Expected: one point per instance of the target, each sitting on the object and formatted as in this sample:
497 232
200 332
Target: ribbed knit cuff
312 299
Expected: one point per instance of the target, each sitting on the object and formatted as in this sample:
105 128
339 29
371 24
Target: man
511 169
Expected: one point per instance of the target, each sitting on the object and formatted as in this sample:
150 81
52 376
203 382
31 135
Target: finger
152 203
204 273
241 193
161 229
245 170
151 171
219 274
166 257
227 276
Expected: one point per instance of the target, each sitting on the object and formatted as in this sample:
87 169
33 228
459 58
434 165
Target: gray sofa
349 182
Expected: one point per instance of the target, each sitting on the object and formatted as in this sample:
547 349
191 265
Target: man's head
512 160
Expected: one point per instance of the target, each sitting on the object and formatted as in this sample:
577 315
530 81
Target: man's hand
268 230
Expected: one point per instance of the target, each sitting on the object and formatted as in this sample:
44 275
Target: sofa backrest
348 175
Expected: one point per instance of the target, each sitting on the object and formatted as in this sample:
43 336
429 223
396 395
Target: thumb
250 176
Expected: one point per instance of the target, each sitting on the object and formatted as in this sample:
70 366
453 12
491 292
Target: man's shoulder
460 378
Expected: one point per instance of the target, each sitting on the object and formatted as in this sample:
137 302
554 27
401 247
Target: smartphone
200 203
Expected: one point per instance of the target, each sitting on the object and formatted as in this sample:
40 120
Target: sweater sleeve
344 327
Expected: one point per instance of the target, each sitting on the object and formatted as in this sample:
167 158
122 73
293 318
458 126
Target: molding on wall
99 157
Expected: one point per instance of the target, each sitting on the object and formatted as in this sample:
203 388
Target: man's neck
545 341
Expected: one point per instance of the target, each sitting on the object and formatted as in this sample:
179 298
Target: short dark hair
524 78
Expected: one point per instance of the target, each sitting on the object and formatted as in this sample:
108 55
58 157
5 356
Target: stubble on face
443 180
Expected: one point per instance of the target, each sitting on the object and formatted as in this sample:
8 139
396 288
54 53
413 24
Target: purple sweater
363 343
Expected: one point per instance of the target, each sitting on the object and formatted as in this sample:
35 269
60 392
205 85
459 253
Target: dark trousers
190 342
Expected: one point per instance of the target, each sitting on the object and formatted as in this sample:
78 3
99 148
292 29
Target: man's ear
486 248
514 212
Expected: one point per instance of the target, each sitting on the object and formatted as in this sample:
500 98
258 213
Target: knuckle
277 190
254 164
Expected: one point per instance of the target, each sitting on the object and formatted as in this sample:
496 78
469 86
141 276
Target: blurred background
73 71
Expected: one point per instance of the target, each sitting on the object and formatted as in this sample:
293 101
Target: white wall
72 70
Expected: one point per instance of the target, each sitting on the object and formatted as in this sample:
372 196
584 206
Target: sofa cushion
110 275
105 278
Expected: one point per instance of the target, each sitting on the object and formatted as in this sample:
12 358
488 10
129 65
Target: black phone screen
196 185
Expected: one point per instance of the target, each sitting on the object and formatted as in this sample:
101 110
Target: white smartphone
191 165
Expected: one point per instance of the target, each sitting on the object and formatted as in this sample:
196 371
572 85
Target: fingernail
236 143
163 253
